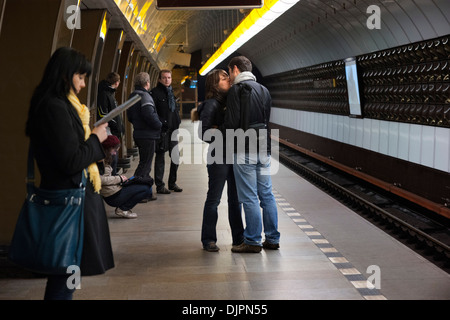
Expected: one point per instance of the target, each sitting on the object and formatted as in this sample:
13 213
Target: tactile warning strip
358 280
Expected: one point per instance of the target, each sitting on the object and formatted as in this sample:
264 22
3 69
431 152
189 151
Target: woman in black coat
211 113
63 146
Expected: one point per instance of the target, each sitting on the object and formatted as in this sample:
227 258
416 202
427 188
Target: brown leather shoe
211 247
271 246
175 188
163 190
246 248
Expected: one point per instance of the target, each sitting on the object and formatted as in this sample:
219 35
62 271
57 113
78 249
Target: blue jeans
254 187
219 174
129 196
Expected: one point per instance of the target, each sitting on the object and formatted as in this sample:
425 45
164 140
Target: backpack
245 94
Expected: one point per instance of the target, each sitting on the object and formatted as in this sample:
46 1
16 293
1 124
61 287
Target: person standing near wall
106 102
64 145
146 124
169 114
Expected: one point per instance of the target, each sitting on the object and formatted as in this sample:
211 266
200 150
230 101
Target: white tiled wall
425 145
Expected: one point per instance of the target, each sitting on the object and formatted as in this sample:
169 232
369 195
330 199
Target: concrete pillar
88 41
111 52
121 93
123 69
27 40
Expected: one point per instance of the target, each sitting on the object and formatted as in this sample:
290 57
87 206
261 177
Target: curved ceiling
314 32
161 33
311 32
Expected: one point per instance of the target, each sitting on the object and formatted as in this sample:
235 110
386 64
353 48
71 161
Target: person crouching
117 191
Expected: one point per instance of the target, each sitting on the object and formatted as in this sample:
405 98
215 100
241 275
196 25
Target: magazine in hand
116 111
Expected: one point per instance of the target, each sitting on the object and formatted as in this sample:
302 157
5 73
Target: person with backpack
248 112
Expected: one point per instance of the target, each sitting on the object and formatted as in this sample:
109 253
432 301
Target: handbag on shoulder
48 236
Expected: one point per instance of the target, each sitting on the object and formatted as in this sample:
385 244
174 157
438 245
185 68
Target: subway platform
327 252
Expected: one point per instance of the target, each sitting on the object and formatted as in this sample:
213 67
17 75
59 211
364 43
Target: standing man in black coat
146 124
248 108
169 114
106 102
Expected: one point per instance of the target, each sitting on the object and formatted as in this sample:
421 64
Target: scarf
171 98
244 75
83 113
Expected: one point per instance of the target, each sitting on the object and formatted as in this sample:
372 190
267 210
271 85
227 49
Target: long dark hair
57 79
212 85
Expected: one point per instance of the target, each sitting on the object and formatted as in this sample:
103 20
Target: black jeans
146 151
218 175
160 164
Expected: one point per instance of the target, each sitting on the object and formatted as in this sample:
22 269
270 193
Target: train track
423 231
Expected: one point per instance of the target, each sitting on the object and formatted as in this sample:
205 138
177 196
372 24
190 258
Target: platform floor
327 252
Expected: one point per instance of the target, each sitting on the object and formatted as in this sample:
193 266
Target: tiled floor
325 252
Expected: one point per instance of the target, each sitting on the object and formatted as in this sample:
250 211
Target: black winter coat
170 120
257 107
260 104
61 153
106 102
211 114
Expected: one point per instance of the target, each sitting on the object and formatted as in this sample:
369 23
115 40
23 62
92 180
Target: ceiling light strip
255 21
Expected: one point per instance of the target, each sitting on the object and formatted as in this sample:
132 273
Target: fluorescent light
255 21
104 28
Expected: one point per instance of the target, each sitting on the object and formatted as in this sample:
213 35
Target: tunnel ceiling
161 33
311 32
316 31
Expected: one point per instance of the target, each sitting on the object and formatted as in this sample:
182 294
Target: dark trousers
129 196
57 288
160 164
115 160
219 174
146 151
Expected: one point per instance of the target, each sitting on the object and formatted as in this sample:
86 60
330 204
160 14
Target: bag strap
30 170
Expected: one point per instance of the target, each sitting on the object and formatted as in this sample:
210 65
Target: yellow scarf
83 112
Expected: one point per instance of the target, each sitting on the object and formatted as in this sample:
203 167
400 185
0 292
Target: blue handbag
48 236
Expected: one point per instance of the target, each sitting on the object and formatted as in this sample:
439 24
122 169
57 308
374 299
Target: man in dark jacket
248 108
146 124
169 115
106 102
